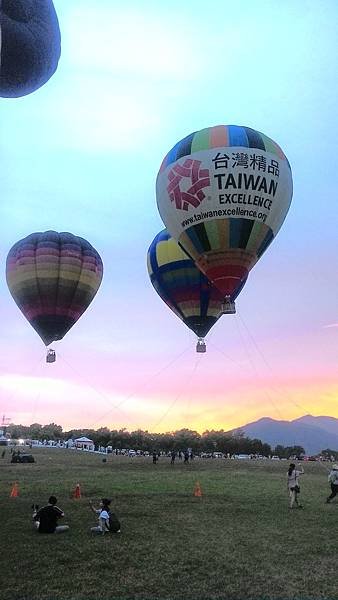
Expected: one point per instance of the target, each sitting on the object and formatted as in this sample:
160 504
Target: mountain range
312 433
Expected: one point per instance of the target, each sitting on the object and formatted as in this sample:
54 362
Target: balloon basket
201 345
228 307
51 356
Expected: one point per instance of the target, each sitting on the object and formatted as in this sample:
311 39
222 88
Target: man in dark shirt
46 518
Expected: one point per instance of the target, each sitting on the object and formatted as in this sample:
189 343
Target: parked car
23 458
242 456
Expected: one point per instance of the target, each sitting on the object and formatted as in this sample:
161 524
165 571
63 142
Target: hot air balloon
53 277
29 45
183 287
223 194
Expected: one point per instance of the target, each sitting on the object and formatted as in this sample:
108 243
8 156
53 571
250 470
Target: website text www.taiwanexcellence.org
225 212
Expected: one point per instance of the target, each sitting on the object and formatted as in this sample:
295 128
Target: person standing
333 481
293 486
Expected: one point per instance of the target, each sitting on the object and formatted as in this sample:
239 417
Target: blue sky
82 154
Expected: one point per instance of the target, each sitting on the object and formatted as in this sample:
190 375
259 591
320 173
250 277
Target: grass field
239 541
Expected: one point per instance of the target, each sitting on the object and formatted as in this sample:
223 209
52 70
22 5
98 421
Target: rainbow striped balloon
223 194
222 136
182 286
53 277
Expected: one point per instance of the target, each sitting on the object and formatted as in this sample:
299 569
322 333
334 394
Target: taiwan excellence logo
187 173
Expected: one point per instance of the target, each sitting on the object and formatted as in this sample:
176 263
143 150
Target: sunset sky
82 154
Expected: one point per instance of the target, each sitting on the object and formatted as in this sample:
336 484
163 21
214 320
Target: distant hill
312 433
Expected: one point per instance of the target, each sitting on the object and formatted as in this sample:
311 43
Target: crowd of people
185 456
46 519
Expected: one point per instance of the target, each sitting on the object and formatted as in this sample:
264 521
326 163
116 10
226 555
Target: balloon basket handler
50 356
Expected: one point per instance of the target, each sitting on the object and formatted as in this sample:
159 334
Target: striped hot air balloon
53 277
223 194
182 286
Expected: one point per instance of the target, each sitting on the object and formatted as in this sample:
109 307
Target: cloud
330 326
47 399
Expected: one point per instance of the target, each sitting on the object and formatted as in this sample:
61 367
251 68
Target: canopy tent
84 443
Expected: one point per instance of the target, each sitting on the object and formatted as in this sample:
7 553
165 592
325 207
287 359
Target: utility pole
4 423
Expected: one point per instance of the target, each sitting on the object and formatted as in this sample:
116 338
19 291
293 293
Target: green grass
239 541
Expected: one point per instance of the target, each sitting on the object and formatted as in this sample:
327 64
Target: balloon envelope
53 278
182 286
223 194
30 45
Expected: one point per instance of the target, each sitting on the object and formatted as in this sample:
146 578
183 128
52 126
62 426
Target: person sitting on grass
46 518
108 521
293 485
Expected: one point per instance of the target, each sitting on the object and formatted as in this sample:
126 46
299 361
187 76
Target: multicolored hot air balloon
53 277
183 287
30 45
223 194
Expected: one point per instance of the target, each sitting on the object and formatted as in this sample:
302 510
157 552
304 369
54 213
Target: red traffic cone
197 490
15 490
77 491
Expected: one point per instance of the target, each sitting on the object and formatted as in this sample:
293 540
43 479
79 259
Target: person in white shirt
333 481
293 484
103 515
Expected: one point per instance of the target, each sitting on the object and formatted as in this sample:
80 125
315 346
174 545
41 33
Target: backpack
114 523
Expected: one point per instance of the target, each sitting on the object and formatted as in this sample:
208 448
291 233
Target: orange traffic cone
15 490
197 490
77 491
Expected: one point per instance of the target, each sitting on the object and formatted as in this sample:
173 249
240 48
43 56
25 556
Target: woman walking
293 485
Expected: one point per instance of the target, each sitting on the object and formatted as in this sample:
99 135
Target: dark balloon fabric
53 277
182 286
30 45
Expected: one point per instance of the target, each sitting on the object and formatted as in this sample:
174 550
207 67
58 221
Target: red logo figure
199 179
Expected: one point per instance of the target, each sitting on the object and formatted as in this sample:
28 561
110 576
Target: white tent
84 443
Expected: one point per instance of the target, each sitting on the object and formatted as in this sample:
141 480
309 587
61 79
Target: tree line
209 441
